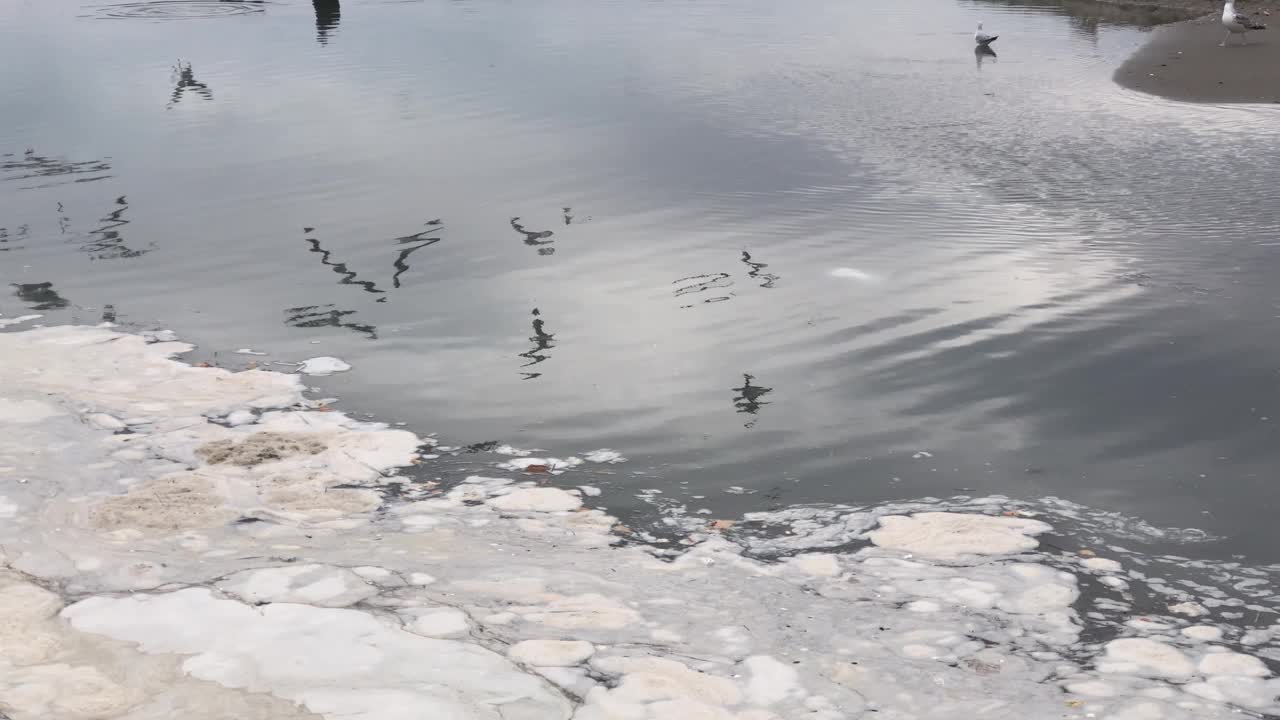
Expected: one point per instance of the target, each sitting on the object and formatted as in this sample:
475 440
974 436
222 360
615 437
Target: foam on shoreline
189 542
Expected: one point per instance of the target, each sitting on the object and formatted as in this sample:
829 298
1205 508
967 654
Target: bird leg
1225 39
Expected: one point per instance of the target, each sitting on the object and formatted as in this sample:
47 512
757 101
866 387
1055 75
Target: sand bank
1183 61
1194 8
191 542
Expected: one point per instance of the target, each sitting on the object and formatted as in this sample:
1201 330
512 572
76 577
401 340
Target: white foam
951 612
311 584
770 681
158 336
554 466
440 622
604 455
1143 656
334 662
551 653
537 499
1232 663
1101 565
1190 609
323 365
18 320
511 450
1203 633
25 412
953 535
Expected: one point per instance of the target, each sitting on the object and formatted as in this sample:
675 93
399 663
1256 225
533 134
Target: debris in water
324 365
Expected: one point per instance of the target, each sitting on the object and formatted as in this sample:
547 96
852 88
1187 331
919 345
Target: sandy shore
191 542
1183 61
1196 8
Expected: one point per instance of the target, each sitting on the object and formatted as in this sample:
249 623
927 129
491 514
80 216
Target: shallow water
822 253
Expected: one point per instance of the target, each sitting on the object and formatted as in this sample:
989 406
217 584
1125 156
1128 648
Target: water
819 252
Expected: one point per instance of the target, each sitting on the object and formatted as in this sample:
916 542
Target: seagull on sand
985 39
1236 22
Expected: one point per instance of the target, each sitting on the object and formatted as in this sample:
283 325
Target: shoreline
182 541
1183 61
1195 7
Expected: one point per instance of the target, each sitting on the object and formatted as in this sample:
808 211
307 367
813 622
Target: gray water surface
819 250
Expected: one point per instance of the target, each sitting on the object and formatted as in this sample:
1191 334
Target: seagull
985 39
1235 22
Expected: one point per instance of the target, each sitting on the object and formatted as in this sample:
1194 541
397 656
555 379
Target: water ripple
179 9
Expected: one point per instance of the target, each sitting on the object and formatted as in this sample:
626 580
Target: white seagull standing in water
983 38
1236 22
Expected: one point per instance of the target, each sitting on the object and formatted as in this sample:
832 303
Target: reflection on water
185 81
317 316
542 342
346 276
328 14
179 9
9 241
1087 16
695 284
415 242
921 255
106 242
31 165
39 296
535 238
983 53
766 279
747 400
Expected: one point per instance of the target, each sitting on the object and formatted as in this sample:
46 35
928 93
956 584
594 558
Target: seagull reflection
702 283
40 296
767 278
748 398
349 277
534 238
186 81
983 52
328 13
311 316
568 217
106 242
22 232
542 341
416 242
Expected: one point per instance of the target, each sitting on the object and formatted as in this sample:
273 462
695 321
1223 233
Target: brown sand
1182 61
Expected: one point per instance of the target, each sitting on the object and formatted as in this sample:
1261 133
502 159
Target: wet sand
1183 61
1193 7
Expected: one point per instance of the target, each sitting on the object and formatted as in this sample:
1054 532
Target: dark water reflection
807 250
40 296
185 82
328 15
543 342
1089 16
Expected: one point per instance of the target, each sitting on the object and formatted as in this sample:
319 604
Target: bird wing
1249 22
